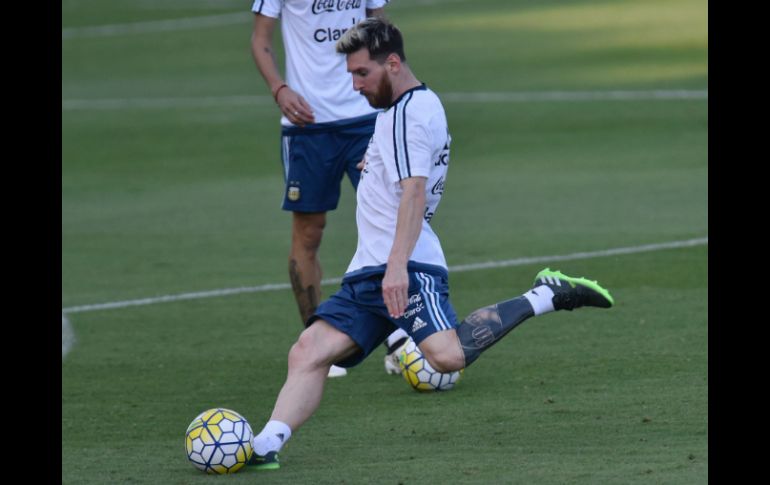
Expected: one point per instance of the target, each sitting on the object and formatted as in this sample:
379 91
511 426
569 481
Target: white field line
163 103
151 26
529 96
482 97
452 269
67 336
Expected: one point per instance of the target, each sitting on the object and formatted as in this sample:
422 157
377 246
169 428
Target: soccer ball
420 375
218 441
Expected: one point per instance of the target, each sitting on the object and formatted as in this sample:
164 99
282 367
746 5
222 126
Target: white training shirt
314 69
411 139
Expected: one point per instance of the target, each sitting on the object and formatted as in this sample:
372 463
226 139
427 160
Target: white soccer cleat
335 371
392 365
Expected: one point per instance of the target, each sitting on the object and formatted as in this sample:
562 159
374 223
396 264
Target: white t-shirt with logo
314 69
411 139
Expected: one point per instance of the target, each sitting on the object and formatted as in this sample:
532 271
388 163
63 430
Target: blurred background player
398 276
326 127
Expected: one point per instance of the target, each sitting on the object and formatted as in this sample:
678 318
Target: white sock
541 299
395 336
271 438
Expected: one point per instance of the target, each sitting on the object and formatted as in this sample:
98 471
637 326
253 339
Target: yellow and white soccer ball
420 375
218 441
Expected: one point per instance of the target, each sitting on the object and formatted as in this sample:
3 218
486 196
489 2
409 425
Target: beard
383 97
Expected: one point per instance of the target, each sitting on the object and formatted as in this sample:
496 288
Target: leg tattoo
307 296
486 326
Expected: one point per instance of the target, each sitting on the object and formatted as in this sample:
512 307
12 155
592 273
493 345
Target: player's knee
297 358
304 354
445 360
311 236
308 232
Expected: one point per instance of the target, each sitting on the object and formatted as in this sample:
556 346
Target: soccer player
326 127
398 275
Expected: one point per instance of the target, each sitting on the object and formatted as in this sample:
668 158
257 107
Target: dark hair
377 35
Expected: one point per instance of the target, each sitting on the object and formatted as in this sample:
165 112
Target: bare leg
443 351
317 348
455 349
304 266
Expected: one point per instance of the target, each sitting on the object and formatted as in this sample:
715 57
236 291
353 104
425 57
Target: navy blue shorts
316 157
358 310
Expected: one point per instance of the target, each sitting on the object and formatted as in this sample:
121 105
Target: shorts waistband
412 267
349 123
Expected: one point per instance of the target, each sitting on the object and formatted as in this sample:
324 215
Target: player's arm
411 210
375 12
264 57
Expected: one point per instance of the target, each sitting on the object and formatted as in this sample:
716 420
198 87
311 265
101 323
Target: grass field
171 183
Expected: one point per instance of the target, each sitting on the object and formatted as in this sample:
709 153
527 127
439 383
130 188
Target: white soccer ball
218 441
420 375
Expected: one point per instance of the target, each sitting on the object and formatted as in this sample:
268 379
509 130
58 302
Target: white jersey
314 69
411 139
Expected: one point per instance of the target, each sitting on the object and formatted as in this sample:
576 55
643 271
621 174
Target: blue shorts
316 157
358 310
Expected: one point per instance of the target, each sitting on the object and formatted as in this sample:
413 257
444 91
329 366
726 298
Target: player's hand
395 290
360 165
294 107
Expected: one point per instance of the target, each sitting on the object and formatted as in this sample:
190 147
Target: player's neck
408 81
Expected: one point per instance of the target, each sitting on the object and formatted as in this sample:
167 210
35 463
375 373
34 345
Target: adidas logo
549 280
418 324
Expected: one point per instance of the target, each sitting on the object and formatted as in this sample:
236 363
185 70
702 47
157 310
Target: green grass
166 201
591 396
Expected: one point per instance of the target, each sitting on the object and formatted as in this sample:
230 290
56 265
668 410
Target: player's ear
393 63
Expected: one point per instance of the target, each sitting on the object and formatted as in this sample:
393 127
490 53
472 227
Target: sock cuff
395 337
278 428
541 299
272 437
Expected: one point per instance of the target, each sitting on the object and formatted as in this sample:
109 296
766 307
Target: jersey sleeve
268 8
413 142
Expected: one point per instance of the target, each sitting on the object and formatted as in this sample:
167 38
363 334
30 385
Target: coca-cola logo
439 187
321 6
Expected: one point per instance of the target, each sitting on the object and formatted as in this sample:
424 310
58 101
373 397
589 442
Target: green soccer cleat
267 462
570 293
